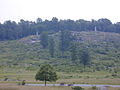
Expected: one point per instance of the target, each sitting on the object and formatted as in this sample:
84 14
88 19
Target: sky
15 10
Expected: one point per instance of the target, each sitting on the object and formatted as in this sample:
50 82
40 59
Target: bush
77 88
114 74
94 88
23 82
6 79
107 76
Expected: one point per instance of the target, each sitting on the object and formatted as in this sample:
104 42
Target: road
81 85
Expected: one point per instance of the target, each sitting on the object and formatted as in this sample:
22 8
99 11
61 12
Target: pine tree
85 57
74 52
51 47
65 40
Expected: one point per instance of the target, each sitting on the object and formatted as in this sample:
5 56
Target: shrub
114 75
107 76
77 88
23 82
94 87
6 79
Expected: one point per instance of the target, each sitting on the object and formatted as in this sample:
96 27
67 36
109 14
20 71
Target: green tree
51 47
46 73
39 20
74 52
44 39
85 57
104 24
54 24
65 40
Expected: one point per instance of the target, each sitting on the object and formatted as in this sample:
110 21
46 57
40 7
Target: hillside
28 53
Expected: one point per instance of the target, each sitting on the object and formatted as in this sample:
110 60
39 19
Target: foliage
24 53
74 52
77 88
65 40
46 73
85 57
44 39
23 82
94 88
51 47
10 30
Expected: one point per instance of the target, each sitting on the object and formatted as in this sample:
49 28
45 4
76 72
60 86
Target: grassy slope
20 59
104 49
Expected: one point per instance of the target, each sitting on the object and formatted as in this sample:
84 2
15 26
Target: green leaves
46 73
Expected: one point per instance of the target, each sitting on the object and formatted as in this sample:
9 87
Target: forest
11 30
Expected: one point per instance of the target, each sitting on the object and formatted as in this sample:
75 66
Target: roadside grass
93 81
16 87
108 88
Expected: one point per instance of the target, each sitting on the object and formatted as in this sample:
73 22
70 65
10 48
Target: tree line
10 30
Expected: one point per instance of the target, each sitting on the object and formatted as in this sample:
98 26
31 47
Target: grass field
16 76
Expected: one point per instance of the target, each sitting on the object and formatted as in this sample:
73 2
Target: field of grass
16 76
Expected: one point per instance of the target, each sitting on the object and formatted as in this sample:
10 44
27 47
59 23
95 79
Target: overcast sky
62 9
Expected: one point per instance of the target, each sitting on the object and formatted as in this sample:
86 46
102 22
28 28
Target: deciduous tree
46 73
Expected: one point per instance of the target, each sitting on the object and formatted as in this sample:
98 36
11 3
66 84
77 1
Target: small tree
23 82
46 73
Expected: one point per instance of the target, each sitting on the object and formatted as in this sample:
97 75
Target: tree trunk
62 54
45 82
84 68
